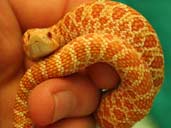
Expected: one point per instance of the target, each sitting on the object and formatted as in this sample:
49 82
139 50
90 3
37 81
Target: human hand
82 95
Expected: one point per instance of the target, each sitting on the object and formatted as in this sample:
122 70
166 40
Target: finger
61 98
10 46
103 75
41 13
81 122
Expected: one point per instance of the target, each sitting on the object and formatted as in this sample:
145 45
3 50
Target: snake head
39 43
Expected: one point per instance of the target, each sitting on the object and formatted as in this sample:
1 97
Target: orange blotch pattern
85 21
66 61
157 62
118 13
110 25
78 14
137 24
51 68
150 41
128 60
96 10
158 82
131 94
112 49
118 103
145 85
103 20
80 52
128 105
119 114
95 46
67 20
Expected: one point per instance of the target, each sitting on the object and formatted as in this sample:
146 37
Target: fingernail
65 102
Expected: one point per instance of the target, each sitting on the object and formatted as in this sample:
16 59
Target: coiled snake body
108 32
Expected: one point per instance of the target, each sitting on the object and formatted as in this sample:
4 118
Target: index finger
41 13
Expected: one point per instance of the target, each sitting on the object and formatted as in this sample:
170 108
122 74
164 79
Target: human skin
82 89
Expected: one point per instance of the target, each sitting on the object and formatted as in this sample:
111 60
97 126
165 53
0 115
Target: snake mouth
39 47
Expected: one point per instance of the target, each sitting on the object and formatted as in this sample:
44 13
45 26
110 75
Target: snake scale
109 32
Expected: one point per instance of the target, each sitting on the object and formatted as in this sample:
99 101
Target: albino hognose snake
108 32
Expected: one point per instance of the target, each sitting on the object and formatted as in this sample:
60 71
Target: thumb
56 99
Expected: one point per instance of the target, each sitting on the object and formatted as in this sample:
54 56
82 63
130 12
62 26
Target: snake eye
28 36
49 34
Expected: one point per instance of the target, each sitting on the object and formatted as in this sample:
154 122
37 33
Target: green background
158 12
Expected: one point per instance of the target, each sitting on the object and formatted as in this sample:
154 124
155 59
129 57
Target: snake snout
39 43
